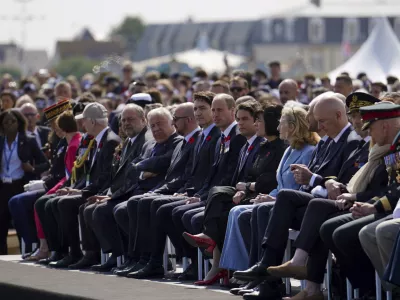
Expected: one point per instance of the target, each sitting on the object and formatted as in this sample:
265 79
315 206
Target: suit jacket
180 167
43 132
121 169
202 162
284 175
57 170
242 174
335 155
155 158
99 171
28 151
225 163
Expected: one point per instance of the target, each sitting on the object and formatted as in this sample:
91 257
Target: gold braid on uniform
80 161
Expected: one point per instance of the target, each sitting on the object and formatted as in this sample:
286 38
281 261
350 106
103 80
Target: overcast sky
62 19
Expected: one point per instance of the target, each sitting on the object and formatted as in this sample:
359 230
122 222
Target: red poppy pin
191 140
100 146
250 148
208 138
227 139
268 153
85 142
392 147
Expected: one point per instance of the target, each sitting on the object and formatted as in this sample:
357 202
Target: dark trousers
253 224
318 211
22 211
47 209
287 213
68 208
219 204
7 191
89 239
106 228
192 220
163 226
181 216
340 235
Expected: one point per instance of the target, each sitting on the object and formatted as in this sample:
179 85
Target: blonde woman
237 253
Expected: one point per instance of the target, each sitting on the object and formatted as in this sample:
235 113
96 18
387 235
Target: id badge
6 179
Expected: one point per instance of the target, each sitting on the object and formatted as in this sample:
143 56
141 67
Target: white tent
210 60
378 57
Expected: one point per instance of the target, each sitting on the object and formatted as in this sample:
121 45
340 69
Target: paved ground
101 286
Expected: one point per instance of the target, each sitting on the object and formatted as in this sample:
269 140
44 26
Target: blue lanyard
8 160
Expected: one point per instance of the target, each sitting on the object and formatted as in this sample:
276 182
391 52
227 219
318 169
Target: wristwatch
248 184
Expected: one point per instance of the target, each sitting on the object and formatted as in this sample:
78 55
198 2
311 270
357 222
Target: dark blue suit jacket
180 168
202 162
225 163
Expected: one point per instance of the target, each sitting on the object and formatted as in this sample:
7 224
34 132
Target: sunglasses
236 89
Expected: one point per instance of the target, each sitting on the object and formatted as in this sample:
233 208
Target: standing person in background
21 160
127 73
62 91
275 72
7 100
343 85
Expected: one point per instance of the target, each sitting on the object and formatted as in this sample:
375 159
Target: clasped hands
68 192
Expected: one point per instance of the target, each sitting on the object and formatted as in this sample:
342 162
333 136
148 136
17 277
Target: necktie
221 149
243 156
128 146
200 144
183 144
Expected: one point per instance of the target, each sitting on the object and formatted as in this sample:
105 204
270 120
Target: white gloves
34 185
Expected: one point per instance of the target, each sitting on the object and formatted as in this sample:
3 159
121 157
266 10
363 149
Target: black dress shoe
107 266
151 270
268 290
85 262
55 256
26 255
65 262
126 263
189 274
123 271
246 287
255 272
134 268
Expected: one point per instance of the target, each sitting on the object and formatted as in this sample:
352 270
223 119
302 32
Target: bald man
288 90
327 159
41 133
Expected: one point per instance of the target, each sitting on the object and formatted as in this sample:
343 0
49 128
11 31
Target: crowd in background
227 163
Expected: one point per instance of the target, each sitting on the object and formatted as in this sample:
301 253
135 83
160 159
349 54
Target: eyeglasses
30 115
176 119
236 89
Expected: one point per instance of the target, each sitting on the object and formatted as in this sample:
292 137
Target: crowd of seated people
228 173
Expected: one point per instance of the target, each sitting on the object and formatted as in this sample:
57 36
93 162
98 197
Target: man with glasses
238 87
41 133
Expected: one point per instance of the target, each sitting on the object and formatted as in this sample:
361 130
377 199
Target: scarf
359 182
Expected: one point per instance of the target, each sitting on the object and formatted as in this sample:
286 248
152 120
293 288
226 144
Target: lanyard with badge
7 177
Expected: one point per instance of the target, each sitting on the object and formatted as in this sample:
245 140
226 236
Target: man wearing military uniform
341 234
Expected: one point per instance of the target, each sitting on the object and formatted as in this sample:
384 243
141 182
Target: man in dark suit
330 113
41 133
133 124
145 174
95 121
199 167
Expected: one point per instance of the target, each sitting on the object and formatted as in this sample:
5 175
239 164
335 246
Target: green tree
15 73
130 30
77 66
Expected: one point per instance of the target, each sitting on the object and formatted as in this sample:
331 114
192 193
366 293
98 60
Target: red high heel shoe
221 274
199 242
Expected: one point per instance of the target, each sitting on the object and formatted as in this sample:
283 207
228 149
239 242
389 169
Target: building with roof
304 38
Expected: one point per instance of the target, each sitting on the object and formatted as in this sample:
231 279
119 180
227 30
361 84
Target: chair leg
165 258
286 258
199 265
378 287
357 293
23 247
349 290
389 295
171 250
328 281
119 261
185 263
